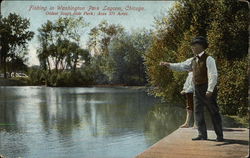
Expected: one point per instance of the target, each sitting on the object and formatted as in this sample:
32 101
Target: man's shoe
219 139
199 138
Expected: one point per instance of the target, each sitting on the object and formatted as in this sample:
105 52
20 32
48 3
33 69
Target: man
205 93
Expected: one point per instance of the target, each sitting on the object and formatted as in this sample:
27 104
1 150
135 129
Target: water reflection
72 122
10 123
8 111
82 122
162 120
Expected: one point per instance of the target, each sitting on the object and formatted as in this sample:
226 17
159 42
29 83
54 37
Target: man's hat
200 40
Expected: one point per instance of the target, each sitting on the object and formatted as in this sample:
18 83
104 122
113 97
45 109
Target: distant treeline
112 55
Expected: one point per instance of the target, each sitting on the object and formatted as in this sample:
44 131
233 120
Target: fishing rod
150 58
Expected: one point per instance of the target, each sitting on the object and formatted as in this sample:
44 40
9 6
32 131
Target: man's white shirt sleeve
212 73
183 66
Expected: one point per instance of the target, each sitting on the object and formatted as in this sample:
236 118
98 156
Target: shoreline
18 82
12 82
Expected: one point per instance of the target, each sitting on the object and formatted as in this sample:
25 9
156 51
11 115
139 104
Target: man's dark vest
200 70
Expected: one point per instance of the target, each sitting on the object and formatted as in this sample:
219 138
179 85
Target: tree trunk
75 62
4 67
74 67
47 60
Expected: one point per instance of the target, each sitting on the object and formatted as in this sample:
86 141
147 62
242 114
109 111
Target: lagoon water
39 122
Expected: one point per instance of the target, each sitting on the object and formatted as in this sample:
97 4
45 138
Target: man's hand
209 94
164 64
183 92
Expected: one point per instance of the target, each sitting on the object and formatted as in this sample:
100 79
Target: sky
133 15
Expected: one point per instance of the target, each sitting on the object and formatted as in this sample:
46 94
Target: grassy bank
18 81
244 120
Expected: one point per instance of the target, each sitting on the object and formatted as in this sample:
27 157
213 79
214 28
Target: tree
60 43
17 60
60 50
14 32
102 35
74 55
16 64
228 36
126 59
45 37
225 24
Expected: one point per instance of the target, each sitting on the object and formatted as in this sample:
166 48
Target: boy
188 89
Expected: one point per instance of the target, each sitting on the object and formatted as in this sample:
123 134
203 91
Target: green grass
7 124
244 120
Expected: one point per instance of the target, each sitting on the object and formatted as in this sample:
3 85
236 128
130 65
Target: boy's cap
200 40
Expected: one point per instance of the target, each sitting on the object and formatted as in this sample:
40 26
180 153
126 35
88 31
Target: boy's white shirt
188 86
212 72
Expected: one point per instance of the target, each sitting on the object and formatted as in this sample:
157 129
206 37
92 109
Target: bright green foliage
102 35
224 23
60 52
37 76
124 64
127 55
59 44
233 87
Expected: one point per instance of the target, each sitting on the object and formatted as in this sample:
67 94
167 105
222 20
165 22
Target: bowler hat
200 40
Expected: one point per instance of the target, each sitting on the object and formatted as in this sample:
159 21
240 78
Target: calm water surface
43 122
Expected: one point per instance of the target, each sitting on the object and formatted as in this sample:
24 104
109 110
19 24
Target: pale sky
36 12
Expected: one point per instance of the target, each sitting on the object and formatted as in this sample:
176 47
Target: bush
81 77
36 76
233 89
68 78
